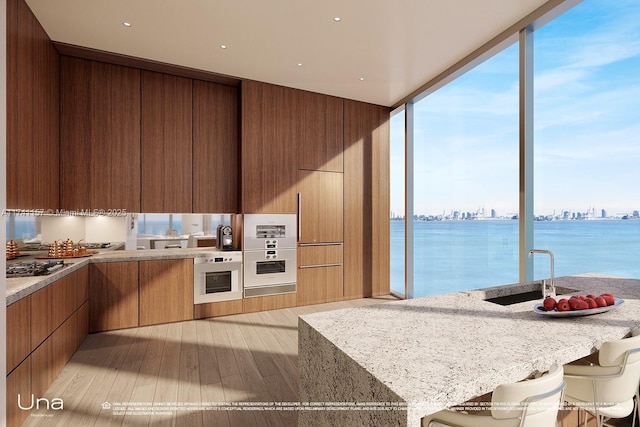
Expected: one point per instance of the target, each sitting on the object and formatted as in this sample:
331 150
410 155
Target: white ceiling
396 46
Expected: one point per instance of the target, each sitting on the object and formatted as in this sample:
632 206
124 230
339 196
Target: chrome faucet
552 286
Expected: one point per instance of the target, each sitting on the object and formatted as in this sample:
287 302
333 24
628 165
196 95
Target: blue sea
452 256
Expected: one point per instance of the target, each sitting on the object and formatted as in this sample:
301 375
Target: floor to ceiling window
587 104
586 198
466 180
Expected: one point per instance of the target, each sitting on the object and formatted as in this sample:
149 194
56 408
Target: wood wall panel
100 136
32 113
18 332
166 143
366 200
320 144
113 296
269 133
216 142
166 291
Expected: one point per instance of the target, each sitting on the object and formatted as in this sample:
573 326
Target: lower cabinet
113 295
44 329
320 274
214 309
166 291
317 285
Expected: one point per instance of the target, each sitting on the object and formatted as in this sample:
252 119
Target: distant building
604 213
493 213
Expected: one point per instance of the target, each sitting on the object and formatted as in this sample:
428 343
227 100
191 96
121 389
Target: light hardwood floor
240 358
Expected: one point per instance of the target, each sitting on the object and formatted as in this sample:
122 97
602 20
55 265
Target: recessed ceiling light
361 78
223 46
299 64
126 24
337 19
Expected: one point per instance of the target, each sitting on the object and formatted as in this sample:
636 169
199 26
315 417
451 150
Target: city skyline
586 98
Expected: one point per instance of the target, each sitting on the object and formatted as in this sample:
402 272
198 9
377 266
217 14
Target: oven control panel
222 257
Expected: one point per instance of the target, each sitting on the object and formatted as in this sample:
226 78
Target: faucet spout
552 286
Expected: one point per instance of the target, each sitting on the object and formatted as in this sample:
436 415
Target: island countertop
429 353
18 288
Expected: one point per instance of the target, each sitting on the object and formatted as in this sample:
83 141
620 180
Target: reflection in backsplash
138 231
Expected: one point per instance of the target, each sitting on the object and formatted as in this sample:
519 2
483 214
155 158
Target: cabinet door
32 149
320 144
18 332
317 285
166 291
166 143
268 148
113 296
216 143
99 135
366 196
320 275
320 209
18 382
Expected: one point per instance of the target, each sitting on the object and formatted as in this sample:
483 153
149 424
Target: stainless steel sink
530 295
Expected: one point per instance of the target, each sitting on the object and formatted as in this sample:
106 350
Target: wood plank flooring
168 373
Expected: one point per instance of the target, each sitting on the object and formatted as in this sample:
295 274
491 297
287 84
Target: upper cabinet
320 144
269 135
216 151
166 143
32 112
99 135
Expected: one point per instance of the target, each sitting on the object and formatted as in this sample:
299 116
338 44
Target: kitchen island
403 360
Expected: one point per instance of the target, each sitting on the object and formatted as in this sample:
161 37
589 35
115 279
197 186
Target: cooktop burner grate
33 268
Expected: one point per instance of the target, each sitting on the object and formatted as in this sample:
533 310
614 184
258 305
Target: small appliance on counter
224 238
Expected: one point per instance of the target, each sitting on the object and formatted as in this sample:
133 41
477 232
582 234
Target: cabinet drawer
316 255
18 332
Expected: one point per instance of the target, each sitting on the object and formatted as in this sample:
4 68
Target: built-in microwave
217 277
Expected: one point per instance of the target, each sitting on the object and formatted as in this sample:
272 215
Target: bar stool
608 389
530 403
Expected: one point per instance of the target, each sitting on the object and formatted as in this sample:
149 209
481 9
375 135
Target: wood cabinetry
166 291
320 144
18 332
99 135
32 112
320 274
113 296
269 134
216 143
166 143
320 209
44 329
366 200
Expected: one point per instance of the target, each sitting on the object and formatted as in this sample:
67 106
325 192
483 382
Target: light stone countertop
20 287
430 353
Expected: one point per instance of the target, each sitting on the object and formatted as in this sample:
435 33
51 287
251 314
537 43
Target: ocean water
452 256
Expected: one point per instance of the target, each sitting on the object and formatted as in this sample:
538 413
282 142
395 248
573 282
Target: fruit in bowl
578 302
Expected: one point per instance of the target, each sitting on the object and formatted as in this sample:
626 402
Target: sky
586 127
